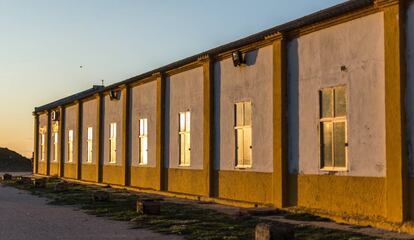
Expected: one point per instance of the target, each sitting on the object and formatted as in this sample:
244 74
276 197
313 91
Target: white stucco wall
251 82
89 119
144 105
314 62
410 86
71 118
42 128
113 113
184 92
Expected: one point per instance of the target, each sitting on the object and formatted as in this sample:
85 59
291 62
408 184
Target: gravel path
24 216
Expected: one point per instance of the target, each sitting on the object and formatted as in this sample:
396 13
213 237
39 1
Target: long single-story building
317 114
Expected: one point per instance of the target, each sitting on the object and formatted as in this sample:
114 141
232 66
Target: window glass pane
326 103
90 133
247 113
239 146
182 148
182 122
326 144
239 114
339 144
145 126
187 121
247 145
187 148
144 150
340 101
141 127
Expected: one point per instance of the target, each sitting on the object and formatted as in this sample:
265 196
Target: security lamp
238 58
114 94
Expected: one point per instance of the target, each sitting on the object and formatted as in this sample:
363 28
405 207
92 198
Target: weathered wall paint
144 105
113 113
255 187
184 92
409 96
71 119
189 181
54 169
89 119
314 61
339 195
42 129
251 82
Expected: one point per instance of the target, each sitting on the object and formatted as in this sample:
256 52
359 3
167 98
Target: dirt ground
24 216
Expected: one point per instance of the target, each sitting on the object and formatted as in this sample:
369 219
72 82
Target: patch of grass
188 220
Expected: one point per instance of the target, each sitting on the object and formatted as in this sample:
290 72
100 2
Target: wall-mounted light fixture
114 94
55 115
238 58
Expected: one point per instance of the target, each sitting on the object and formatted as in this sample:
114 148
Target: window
89 145
243 131
55 146
70 146
112 143
143 141
42 147
333 139
184 138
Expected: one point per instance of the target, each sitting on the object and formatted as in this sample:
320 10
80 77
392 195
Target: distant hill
11 161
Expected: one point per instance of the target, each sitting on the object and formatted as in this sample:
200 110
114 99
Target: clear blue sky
43 43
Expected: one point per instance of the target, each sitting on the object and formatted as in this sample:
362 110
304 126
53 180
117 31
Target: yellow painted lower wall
112 174
246 186
187 181
145 177
88 172
70 170
41 168
54 169
339 195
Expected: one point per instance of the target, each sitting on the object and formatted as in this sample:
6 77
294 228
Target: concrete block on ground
272 231
151 207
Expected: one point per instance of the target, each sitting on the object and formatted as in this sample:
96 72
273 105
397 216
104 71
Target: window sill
333 169
184 165
243 167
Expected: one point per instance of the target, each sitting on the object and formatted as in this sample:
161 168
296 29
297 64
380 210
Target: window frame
244 127
142 136
334 119
112 139
186 134
70 146
55 146
42 146
89 145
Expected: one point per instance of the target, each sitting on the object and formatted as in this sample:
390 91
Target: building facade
315 114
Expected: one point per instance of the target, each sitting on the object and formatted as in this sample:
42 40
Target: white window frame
89 145
42 146
112 142
143 141
70 146
184 135
239 163
333 120
55 146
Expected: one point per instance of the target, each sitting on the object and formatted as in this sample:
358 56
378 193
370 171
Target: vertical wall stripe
36 143
396 166
62 141
124 147
127 134
48 135
100 122
160 132
207 120
79 125
279 121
